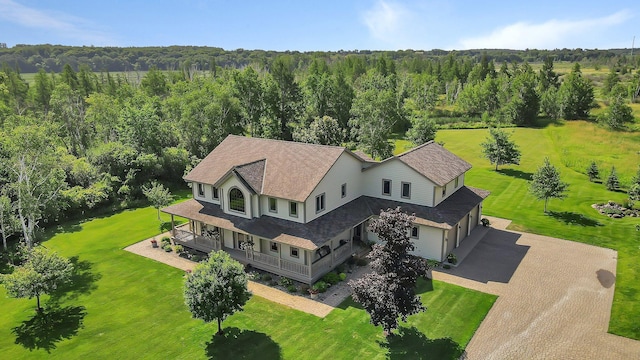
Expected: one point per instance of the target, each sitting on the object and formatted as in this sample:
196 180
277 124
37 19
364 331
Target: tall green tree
422 130
323 131
547 77
216 288
68 110
42 273
154 83
524 101
576 96
43 89
249 91
546 184
613 183
285 103
389 292
618 114
499 149
8 219
593 172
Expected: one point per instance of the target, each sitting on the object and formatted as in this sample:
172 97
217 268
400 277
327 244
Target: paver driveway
554 298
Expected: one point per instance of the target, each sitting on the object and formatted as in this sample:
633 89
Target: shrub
343 276
485 222
446 266
167 248
292 288
340 268
165 241
452 258
331 278
196 258
361 261
352 260
285 282
320 286
178 249
266 277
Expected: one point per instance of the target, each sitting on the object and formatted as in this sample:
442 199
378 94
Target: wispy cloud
547 35
67 26
388 22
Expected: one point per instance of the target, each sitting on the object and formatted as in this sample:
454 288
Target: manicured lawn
570 147
123 306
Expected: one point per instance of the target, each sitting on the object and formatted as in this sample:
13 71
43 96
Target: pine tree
546 184
612 181
593 172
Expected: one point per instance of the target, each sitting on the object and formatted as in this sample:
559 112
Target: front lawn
570 147
123 306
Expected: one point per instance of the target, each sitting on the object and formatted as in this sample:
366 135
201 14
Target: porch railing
294 267
266 259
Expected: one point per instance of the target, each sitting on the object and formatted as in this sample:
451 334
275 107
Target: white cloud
70 27
547 35
388 22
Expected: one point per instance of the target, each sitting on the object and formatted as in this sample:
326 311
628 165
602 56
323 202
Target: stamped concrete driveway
554 298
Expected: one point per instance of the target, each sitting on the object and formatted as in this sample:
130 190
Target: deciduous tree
216 288
576 96
158 195
388 293
499 148
546 183
42 273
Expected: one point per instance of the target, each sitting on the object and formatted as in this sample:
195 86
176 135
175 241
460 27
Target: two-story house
295 209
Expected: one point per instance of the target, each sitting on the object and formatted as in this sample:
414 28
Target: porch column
307 259
333 257
469 224
280 255
173 227
458 235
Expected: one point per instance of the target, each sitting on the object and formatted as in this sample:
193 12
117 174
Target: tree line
77 140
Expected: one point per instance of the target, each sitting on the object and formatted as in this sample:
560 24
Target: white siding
282 209
346 170
208 193
228 238
398 172
286 254
429 242
451 188
223 192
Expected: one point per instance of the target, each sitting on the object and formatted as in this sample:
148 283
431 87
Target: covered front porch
292 259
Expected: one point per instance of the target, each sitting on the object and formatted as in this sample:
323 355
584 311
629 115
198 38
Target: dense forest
76 139
52 58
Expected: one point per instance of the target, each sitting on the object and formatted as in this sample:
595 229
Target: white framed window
415 232
200 189
214 193
386 187
406 190
457 182
294 252
343 190
320 203
273 205
274 247
236 200
293 209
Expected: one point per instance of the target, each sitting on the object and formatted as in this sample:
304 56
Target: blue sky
324 25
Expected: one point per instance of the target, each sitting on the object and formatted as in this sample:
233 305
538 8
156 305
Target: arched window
236 200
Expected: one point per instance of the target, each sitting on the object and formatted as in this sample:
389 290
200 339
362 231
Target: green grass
123 306
570 147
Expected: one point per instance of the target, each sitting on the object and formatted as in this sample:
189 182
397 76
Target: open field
123 306
570 146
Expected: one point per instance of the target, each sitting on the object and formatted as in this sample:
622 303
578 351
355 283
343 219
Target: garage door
474 217
464 226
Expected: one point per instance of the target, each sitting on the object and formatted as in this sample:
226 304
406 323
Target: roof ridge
249 163
287 141
416 148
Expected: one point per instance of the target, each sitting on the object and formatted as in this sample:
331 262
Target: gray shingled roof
253 174
435 163
317 232
291 170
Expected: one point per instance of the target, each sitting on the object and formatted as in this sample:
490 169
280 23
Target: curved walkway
554 298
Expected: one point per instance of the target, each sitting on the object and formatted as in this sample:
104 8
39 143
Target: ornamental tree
158 195
216 288
42 273
546 183
499 148
388 293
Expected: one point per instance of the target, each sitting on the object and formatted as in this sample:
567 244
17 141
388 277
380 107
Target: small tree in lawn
216 288
546 183
499 148
612 181
158 195
634 193
42 273
593 172
388 293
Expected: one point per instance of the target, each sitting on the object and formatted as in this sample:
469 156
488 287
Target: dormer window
200 189
236 200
